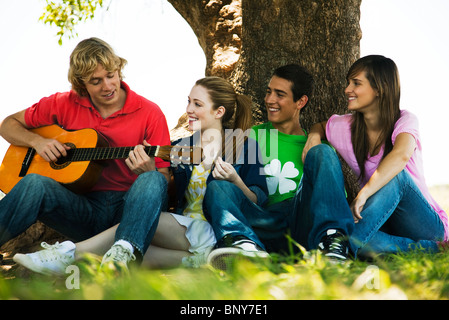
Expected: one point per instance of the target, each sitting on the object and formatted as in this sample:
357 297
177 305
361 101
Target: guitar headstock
180 154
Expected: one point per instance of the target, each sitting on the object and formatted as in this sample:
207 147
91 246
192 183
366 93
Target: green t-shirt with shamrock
282 157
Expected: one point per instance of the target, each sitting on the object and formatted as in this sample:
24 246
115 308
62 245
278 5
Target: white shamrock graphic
280 176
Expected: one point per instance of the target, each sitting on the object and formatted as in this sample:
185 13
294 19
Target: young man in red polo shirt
131 192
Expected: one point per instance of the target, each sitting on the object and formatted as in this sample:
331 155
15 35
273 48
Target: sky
165 59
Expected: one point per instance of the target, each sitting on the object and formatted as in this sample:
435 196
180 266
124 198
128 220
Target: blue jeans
230 212
82 216
397 218
319 204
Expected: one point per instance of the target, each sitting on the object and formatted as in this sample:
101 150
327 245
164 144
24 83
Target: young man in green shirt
296 190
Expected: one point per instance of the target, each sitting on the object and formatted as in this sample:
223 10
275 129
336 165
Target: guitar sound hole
63 162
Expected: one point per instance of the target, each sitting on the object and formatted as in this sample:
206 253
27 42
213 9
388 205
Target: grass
415 275
306 276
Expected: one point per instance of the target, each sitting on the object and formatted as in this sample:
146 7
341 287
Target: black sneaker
231 247
335 245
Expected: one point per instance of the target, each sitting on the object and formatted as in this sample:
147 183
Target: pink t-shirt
338 133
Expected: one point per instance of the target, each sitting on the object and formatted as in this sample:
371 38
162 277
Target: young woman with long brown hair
394 209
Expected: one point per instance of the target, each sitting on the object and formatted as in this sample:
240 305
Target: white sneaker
231 247
54 259
197 260
118 255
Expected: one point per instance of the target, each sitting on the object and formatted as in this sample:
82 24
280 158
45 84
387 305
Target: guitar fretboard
174 154
106 153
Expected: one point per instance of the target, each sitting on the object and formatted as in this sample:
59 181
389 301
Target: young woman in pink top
394 210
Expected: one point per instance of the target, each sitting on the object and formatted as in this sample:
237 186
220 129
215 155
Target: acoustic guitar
82 166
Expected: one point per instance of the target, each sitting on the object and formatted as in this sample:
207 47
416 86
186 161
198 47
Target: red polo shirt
138 120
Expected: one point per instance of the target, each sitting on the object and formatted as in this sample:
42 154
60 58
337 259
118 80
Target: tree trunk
323 36
218 27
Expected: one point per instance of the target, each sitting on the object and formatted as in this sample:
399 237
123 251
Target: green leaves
66 14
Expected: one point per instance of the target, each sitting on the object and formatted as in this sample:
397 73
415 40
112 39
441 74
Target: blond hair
85 58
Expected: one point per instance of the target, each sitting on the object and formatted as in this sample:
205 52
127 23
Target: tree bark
218 27
323 36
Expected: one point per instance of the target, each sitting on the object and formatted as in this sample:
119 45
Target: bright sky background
164 59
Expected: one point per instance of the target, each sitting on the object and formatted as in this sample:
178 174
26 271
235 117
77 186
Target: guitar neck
106 153
182 154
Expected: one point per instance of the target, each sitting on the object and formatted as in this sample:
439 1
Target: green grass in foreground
415 275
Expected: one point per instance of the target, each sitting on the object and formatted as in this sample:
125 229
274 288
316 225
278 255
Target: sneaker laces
118 254
45 245
334 243
50 253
